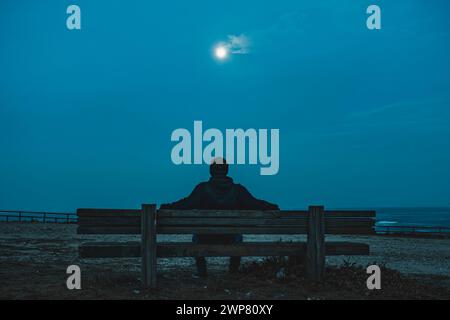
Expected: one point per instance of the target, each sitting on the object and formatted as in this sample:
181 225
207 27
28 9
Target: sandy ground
34 258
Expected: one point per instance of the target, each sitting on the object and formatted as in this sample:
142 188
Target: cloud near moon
236 44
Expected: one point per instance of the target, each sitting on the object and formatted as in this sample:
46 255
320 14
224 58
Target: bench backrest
128 221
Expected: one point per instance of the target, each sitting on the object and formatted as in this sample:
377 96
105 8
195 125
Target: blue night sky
86 115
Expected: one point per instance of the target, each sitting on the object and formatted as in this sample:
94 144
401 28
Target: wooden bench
148 222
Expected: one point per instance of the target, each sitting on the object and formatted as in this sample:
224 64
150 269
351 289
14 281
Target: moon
221 52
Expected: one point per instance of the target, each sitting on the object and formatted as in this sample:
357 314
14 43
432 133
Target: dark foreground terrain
34 258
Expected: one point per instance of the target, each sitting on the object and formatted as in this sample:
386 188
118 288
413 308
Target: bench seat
131 249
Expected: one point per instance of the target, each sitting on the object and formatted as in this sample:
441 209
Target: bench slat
92 212
224 222
188 249
222 213
191 230
262 214
350 213
350 231
135 221
232 230
222 230
109 221
189 221
126 230
335 222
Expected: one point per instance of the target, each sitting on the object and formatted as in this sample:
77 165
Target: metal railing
37 216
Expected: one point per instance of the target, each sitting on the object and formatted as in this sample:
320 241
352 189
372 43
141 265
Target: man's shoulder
239 187
201 186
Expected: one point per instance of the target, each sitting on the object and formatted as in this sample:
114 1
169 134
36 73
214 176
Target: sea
430 217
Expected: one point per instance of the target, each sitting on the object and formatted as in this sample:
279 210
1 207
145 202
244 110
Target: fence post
315 246
148 245
45 215
20 216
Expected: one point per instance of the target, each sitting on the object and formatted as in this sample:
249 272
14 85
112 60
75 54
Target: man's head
218 167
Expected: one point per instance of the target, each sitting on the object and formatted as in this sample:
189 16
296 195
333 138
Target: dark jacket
220 193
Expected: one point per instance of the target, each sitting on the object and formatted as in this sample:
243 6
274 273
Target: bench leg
315 247
148 245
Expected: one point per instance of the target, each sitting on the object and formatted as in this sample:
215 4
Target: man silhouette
219 193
